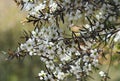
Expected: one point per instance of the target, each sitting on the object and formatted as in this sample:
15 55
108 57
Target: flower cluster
102 16
63 56
61 59
104 75
44 10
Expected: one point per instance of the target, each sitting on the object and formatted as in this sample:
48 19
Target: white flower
60 75
54 35
50 49
94 54
78 61
28 6
50 65
32 13
95 62
78 14
89 67
117 37
53 7
29 44
86 58
43 59
40 7
46 16
102 74
85 68
42 74
77 53
35 33
60 43
75 69
51 56
65 57
33 52
87 26
23 46
99 15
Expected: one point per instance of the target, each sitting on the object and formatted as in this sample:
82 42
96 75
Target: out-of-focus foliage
10 31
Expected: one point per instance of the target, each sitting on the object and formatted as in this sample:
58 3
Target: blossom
23 47
53 7
40 7
60 75
117 37
29 44
42 74
35 33
65 57
86 58
102 74
28 6
75 69
94 54
50 64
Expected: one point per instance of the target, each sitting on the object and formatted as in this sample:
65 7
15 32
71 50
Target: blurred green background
11 29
